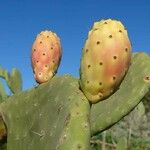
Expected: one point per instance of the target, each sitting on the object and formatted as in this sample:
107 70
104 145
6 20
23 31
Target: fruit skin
105 60
46 56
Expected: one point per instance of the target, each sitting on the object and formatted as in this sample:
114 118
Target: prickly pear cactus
46 55
54 115
57 115
105 59
13 80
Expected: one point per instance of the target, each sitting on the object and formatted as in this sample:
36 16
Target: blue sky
22 20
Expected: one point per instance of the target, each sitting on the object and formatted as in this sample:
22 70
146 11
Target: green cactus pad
133 88
54 115
13 80
3 94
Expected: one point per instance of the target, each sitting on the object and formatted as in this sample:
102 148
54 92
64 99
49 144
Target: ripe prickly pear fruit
46 56
105 59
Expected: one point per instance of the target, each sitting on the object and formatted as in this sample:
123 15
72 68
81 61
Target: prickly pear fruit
105 59
46 56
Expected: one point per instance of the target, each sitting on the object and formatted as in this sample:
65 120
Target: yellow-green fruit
105 60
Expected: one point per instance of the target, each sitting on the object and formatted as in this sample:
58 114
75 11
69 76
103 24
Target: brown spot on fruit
105 22
120 31
100 83
87 82
110 36
98 42
95 29
89 66
114 77
40 42
86 50
100 63
47 36
115 57
126 49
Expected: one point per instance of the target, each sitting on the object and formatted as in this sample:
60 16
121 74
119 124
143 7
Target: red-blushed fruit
105 60
46 56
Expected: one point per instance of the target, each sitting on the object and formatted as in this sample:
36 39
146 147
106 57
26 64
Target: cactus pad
54 115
